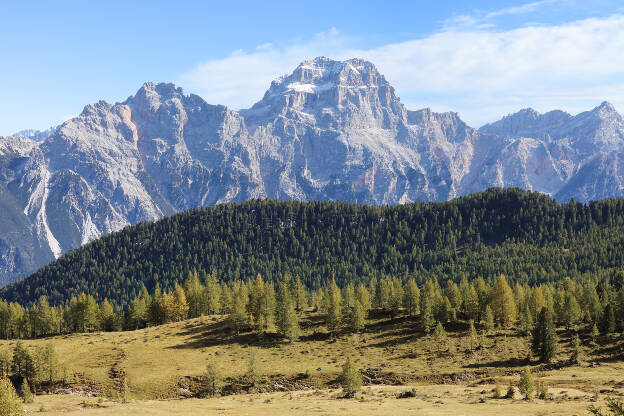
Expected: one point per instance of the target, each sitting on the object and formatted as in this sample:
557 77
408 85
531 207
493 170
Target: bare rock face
329 131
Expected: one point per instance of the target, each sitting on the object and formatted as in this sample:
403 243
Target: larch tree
10 403
300 295
503 303
333 317
351 378
412 298
286 316
357 318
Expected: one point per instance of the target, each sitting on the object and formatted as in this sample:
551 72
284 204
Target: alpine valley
329 131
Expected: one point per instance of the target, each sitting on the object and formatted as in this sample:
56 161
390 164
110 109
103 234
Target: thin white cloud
482 74
480 19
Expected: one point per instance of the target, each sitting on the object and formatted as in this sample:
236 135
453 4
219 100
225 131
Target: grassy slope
157 360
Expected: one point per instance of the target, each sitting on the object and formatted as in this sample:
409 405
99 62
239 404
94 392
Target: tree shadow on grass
510 362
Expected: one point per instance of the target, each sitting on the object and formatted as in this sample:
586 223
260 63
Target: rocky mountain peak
527 123
606 110
332 94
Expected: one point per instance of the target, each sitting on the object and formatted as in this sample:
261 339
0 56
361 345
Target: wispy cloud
481 73
480 19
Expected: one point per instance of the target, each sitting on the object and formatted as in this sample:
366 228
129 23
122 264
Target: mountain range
331 130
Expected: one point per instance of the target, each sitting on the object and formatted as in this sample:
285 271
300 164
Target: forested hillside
525 235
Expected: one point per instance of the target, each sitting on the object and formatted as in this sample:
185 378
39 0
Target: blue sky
483 59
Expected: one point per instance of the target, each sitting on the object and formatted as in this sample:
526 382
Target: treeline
525 235
259 305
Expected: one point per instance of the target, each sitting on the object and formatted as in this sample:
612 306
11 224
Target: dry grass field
162 365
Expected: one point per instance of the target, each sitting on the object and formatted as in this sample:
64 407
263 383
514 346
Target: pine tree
350 379
503 303
10 404
527 384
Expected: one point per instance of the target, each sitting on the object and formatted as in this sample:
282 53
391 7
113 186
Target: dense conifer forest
527 236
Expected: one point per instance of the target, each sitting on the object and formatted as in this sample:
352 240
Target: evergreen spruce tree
607 323
10 404
544 342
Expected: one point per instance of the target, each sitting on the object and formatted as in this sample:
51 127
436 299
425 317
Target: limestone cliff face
329 131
